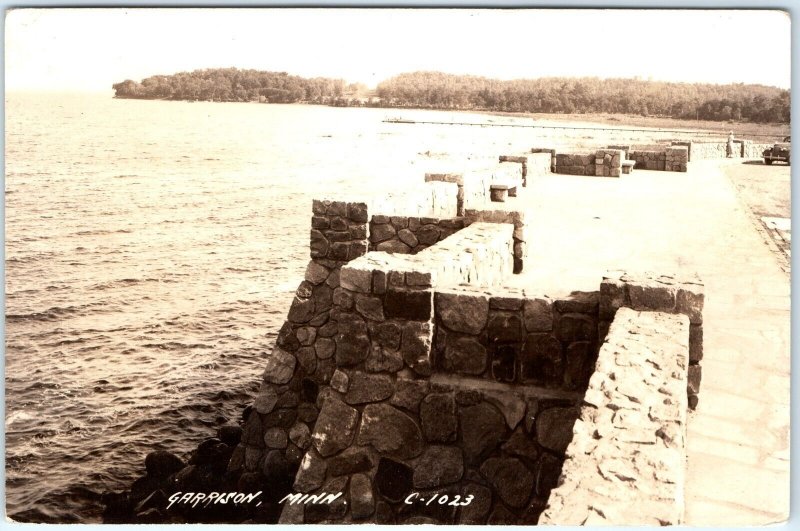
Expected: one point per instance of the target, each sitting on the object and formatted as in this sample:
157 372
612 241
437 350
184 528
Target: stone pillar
677 158
456 178
552 156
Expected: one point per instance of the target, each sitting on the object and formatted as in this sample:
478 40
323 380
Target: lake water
152 249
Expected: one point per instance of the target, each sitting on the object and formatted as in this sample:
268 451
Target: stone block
541 361
538 314
366 388
438 417
695 343
652 296
362 502
351 350
393 247
694 379
301 310
351 461
689 301
575 327
465 355
612 297
407 304
356 280
505 327
554 427
280 367
357 212
504 361
337 208
311 474
335 427
369 307
438 466
465 313
416 347
390 431
578 366
510 478
482 428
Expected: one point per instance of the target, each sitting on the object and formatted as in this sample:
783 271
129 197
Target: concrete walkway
738 439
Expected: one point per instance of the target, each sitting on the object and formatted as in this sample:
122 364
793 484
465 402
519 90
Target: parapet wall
516 337
626 463
605 162
417 373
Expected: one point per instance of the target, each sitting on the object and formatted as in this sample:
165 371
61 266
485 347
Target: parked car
781 151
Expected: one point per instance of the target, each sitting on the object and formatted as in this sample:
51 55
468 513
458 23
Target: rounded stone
160 464
554 427
393 480
280 367
510 478
275 438
438 466
438 417
462 313
390 432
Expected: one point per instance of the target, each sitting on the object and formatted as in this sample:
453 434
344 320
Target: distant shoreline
616 120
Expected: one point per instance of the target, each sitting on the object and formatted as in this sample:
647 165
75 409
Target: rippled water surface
152 249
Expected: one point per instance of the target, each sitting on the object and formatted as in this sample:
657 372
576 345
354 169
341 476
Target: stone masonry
409 369
625 463
662 293
676 158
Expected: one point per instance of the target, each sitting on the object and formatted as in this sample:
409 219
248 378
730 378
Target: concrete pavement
738 438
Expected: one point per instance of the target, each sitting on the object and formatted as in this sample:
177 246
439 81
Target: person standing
729 147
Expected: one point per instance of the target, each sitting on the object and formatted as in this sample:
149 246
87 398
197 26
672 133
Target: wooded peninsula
437 90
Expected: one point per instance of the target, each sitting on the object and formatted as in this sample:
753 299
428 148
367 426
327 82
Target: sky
90 49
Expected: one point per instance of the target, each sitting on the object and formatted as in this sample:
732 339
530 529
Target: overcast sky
89 49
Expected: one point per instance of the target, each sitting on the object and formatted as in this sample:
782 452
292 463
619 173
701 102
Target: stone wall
553 159
434 199
409 235
516 338
754 150
419 373
533 165
505 213
625 463
602 163
575 163
662 293
411 451
677 158
649 159
608 162
454 178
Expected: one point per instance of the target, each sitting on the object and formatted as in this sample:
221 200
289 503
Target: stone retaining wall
514 337
410 451
625 464
649 159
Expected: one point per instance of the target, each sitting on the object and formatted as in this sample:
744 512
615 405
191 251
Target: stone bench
627 166
501 189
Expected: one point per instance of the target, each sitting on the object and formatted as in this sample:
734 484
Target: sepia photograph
397 266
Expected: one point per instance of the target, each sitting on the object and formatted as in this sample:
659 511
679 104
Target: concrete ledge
626 463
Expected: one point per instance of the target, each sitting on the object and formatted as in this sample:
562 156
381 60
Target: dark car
781 151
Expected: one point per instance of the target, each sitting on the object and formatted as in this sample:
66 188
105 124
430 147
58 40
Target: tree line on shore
437 90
